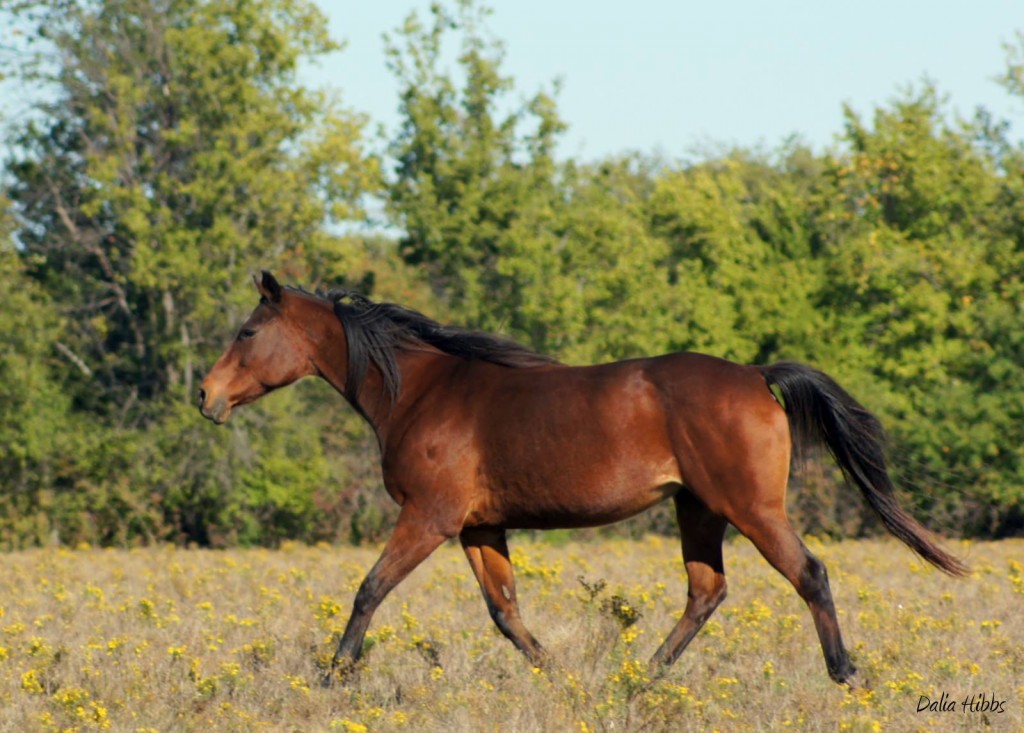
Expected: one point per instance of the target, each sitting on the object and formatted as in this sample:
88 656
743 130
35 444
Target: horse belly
564 497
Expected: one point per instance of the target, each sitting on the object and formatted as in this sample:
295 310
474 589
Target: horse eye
246 333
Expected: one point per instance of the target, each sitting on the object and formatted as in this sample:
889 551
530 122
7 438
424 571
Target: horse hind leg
487 552
773 536
702 534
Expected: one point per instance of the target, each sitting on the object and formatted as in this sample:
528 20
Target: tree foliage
176 153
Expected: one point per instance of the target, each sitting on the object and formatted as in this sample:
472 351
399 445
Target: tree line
175 152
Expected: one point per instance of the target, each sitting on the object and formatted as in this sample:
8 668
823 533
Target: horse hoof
846 676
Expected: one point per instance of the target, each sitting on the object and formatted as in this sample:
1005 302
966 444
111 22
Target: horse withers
479 435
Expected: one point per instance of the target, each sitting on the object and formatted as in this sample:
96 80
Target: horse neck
374 403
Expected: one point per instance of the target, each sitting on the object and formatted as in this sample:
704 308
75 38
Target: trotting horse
479 435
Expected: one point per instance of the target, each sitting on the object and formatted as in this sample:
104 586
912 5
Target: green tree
172 154
741 251
590 284
32 407
556 255
923 281
465 173
178 156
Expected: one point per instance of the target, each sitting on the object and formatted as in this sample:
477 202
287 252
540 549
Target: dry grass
175 640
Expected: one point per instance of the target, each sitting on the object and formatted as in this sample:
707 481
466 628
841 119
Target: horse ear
268 287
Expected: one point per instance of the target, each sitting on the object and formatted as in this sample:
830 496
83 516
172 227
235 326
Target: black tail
822 411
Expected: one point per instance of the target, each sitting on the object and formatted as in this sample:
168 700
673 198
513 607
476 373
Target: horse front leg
412 541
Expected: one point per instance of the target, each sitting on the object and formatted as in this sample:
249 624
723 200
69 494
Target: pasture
166 639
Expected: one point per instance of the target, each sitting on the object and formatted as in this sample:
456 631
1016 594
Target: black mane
375 331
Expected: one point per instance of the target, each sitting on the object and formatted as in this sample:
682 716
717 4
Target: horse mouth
217 419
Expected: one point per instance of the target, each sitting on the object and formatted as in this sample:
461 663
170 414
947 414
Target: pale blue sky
652 75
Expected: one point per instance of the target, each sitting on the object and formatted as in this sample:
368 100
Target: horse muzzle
216 410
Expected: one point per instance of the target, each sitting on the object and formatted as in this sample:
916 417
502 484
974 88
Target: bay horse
479 435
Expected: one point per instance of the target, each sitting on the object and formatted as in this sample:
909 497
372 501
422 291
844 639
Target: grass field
185 640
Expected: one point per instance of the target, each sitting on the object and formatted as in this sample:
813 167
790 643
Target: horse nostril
202 396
